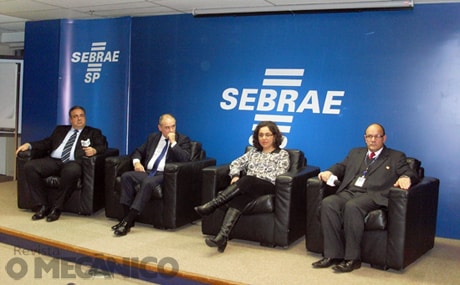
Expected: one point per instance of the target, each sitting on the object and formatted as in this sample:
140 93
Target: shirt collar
377 153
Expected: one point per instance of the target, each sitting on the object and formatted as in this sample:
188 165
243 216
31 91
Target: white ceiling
14 13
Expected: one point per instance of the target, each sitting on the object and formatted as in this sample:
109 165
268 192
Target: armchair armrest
182 190
289 202
117 165
181 175
92 190
23 157
316 192
24 196
215 179
411 222
93 166
32 154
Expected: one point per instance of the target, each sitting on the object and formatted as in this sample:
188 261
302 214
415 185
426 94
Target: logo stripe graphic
283 129
282 82
283 72
274 118
277 119
283 77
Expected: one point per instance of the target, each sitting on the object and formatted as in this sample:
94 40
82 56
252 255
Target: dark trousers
251 188
342 222
137 200
38 169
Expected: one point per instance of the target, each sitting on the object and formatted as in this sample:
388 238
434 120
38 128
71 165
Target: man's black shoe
54 215
347 266
41 213
123 229
117 226
326 262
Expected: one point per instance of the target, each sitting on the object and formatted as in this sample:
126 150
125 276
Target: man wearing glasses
366 176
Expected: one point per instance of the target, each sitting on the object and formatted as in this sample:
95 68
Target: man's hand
172 137
89 151
324 176
403 182
23 147
139 167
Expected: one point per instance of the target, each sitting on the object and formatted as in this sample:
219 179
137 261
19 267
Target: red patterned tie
371 155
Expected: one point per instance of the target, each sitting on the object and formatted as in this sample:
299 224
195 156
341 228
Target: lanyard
368 165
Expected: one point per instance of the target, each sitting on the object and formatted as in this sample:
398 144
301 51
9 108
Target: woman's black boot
222 198
220 240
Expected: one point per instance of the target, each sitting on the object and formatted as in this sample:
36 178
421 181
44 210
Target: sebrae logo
95 58
280 94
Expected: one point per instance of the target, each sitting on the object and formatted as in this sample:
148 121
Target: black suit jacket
98 141
383 173
179 153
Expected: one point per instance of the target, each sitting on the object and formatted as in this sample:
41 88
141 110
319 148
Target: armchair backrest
415 164
296 157
106 142
196 151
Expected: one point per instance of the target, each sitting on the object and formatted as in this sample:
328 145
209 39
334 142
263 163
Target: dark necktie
68 146
159 158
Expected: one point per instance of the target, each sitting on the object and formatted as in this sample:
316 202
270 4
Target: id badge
360 181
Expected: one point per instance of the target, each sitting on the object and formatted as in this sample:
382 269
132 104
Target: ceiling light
306 7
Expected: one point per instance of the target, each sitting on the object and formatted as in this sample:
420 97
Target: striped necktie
159 158
68 147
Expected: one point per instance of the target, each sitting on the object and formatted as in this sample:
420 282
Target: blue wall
77 62
40 87
399 68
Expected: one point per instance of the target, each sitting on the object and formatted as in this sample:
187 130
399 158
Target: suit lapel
356 162
59 137
153 147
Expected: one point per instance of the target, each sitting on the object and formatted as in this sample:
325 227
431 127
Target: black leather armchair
271 220
395 236
85 200
172 202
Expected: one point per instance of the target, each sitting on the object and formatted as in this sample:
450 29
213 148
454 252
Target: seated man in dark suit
149 161
66 145
367 174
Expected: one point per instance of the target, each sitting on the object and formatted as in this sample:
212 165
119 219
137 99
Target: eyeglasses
268 135
369 137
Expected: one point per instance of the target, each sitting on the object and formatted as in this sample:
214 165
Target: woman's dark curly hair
278 137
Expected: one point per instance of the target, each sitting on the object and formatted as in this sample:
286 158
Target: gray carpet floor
242 262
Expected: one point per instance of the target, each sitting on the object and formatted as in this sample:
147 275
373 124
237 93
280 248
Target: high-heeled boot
220 240
222 198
